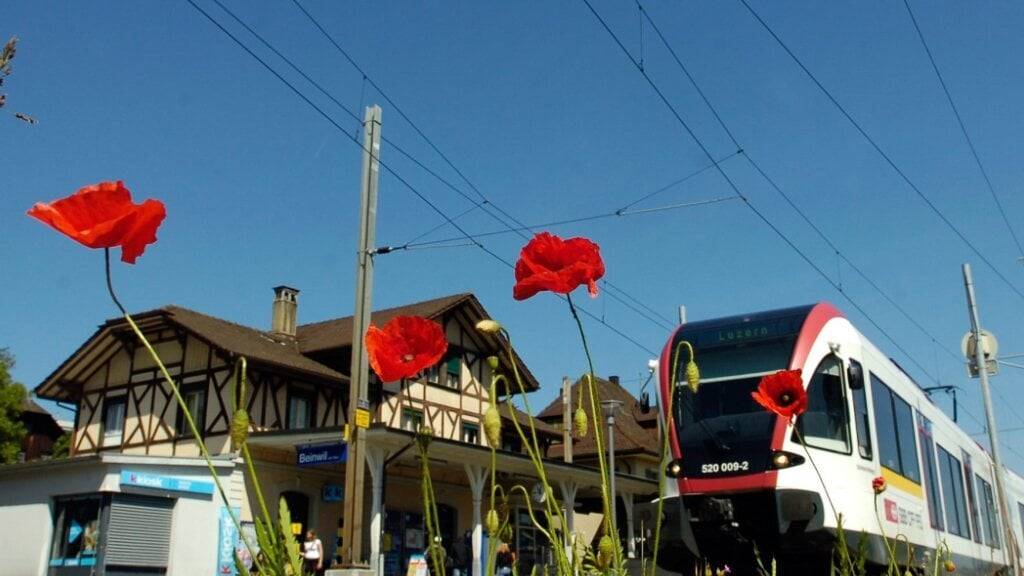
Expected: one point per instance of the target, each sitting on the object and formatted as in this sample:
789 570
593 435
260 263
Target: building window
412 419
861 414
433 374
511 443
114 409
988 508
453 372
301 409
825 423
894 423
76 531
195 400
470 433
953 494
931 478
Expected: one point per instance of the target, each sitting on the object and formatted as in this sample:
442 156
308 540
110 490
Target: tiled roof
249 342
337 333
508 411
630 435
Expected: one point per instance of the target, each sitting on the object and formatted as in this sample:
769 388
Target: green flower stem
669 422
237 398
181 403
881 529
605 478
551 509
824 487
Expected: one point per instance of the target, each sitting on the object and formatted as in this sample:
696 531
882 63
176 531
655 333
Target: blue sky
542 112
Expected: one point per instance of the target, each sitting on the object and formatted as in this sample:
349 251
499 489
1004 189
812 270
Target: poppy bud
424 435
492 426
692 376
605 551
492 521
488 326
492 361
240 428
950 567
579 420
878 485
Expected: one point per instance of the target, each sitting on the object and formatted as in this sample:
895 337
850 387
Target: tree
61 446
6 57
12 398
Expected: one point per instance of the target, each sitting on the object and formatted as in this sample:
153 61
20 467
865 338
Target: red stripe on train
815 322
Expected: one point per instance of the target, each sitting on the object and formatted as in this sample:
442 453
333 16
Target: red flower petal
549 263
405 346
782 393
104 216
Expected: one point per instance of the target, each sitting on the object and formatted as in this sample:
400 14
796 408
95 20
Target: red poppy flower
405 346
549 263
782 393
104 216
878 485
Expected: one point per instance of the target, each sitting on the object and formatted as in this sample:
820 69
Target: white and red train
739 477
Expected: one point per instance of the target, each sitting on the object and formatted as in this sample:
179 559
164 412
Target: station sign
320 454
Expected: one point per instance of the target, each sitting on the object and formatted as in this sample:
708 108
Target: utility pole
358 398
990 419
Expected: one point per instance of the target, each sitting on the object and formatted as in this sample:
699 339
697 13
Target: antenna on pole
682 314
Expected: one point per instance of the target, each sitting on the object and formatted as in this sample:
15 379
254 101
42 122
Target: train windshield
721 429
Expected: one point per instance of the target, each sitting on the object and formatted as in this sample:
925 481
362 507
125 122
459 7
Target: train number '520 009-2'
734 466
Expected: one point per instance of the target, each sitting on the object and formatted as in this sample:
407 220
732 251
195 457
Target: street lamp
611 408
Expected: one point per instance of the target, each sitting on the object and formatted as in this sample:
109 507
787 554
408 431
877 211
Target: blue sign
333 493
156 482
74 531
227 542
319 454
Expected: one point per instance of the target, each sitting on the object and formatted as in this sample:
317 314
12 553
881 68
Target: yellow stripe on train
900 482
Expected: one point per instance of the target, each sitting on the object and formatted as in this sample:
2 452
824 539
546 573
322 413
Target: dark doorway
298 507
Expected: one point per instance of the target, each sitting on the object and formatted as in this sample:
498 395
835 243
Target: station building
136 498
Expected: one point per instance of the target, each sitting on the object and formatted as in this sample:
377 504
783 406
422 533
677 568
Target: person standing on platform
313 554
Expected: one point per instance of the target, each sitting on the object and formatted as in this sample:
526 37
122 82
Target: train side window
894 425
825 424
931 478
972 502
953 494
861 414
989 510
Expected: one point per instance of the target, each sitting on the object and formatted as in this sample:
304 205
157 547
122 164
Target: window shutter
139 532
455 366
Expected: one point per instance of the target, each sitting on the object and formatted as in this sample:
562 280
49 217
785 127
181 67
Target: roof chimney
285 311
614 380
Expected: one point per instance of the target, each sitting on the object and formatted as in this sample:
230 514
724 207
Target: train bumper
725 527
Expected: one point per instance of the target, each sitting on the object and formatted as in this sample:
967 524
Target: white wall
26 515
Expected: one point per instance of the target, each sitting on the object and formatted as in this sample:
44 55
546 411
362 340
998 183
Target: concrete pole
477 480
990 420
627 501
352 533
375 458
569 503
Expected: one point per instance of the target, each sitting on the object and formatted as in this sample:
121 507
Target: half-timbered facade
131 439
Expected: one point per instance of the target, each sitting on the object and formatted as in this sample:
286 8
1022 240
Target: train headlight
782 460
674 469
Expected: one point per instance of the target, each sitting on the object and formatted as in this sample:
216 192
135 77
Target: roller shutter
139 532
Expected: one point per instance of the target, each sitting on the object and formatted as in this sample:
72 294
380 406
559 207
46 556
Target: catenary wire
963 129
397 176
881 152
735 188
778 189
505 217
633 303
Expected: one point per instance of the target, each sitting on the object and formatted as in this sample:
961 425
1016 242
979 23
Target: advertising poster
227 543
